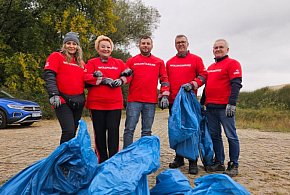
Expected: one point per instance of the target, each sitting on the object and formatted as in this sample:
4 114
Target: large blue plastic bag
183 125
126 172
218 184
46 176
171 181
206 152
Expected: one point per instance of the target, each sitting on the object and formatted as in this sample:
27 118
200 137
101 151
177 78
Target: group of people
66 76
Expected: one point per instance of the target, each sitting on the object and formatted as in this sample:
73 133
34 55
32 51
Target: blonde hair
103 38
78 55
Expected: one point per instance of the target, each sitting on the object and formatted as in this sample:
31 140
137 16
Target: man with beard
142 95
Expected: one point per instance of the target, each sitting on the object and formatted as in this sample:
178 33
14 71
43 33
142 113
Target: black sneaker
232 170
193 169
215 167
178 162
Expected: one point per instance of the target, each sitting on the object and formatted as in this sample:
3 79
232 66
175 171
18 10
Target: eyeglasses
218 47
180 42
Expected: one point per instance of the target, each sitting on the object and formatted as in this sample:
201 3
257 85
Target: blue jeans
133 111
216 119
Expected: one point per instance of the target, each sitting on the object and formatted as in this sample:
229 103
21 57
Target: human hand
187 86
117 83
127 72
55 101
107 81
97 74
230 110
163 102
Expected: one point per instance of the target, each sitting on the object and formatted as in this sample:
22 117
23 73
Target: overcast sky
258 32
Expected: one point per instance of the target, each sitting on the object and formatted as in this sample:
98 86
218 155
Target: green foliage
23 73
134 20
266 98
264 119
265 109
31 29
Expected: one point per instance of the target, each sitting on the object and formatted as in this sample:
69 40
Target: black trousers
106 125
69 121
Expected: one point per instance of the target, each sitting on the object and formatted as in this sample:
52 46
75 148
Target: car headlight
14 106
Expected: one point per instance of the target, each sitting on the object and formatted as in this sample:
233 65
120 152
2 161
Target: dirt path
264 159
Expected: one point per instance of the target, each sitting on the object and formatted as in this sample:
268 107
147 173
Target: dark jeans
69 121
216 119
106 125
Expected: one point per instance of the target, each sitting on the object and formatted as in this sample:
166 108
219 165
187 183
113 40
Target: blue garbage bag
171 181
68 170
206 152
218 184
184 125
126 172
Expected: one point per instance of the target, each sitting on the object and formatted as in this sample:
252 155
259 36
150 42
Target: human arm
200 76
51 86
236 85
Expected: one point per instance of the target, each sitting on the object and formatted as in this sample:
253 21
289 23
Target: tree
134 20
31 29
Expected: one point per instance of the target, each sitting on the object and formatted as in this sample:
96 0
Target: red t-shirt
144 81
218 86
104 97
184 70
69 76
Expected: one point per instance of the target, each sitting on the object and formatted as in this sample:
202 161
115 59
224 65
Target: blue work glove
187 86
127 72
163 102
97 74
55 101
117 83
107 81
230 110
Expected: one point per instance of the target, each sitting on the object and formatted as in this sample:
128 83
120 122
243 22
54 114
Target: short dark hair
145 37
180 36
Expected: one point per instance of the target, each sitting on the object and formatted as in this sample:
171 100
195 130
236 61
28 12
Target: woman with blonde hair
64 78
105 101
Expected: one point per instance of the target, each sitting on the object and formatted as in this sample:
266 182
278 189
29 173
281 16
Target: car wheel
26 124
3 120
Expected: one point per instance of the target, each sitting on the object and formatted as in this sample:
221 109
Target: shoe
193 169
232 170
215 167
178 162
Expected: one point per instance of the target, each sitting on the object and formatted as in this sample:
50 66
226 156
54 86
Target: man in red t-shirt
220 97
142 95
184 70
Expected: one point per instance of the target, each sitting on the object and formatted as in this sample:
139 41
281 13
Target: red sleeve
164 89
235 70
89 70
53 61
129 64
123 67
201 73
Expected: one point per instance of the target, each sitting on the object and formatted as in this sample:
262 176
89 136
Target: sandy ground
264 159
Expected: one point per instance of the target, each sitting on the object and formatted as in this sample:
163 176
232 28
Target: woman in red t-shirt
64 78
105 74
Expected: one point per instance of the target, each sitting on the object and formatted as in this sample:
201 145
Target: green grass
267 119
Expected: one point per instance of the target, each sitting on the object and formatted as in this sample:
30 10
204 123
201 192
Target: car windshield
4 94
